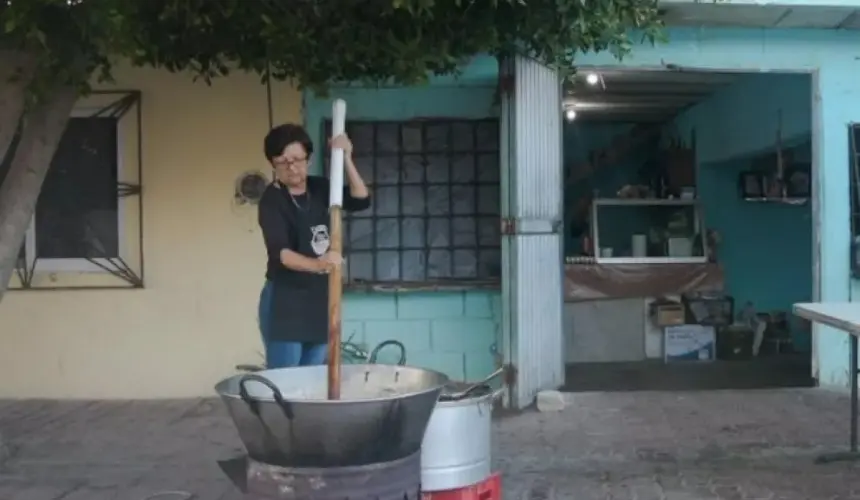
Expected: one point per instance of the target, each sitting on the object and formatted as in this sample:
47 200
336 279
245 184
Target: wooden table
844 316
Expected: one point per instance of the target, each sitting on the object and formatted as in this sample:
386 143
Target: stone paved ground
640 445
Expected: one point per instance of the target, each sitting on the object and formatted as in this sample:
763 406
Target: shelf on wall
785 201
645 201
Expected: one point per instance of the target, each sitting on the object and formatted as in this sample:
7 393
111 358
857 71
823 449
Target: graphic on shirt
320 240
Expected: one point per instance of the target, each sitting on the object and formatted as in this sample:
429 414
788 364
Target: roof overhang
782 14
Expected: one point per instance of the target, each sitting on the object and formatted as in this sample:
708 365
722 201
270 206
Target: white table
844 316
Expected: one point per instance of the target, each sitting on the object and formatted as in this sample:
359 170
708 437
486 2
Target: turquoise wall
831 56
453 332
741 120
766 248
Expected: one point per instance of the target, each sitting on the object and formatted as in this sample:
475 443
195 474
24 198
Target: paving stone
31 492
718 445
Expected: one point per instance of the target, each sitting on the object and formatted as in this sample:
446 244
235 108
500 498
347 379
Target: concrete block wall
452 332
455 332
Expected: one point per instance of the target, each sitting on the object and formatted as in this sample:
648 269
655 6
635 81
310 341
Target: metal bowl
284 418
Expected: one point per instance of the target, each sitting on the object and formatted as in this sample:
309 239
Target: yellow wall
196 318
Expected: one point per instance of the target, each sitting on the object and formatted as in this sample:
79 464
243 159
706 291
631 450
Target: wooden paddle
335 278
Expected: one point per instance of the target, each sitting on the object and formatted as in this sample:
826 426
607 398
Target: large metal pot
284 418
456 448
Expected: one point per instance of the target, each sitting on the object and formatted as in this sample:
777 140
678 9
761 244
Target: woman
293 216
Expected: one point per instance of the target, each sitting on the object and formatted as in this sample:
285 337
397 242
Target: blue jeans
281 354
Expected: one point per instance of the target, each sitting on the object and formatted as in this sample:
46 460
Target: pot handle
483 385
493 375
375 352
493 399
276 395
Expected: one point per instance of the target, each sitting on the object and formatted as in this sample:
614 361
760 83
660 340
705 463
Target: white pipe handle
338 127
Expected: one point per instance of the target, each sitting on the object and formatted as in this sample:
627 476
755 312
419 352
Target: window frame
80 264
475 282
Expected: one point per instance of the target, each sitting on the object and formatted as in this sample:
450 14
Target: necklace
296 203
279 185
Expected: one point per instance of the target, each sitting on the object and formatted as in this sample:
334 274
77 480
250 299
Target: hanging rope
269 95
269 105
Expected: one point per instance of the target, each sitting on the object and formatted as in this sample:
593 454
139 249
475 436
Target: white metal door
532 211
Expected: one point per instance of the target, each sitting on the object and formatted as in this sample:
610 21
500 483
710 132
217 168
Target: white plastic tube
338 127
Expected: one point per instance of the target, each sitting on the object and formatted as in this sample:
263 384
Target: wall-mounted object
249 187
680 163
792 189
773 173
798 182
750 185
773 186
681 168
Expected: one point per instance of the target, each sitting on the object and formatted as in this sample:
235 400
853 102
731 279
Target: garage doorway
690 222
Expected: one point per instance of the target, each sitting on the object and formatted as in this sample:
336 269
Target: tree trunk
16 71
43 128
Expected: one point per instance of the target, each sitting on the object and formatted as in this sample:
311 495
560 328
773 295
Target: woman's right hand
330 261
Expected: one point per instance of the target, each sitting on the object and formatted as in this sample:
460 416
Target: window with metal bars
435 214
76 216
82 222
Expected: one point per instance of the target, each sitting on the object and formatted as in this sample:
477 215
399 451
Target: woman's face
291 167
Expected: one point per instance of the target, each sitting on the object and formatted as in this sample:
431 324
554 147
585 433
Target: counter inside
594 281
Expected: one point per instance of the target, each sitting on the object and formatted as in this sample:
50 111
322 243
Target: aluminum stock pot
284 418
456 449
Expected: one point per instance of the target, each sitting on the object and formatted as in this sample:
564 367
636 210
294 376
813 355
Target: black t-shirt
299 223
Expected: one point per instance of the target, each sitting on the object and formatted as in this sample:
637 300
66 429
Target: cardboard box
668 314
689 343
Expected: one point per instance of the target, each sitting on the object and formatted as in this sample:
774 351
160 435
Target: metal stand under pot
456 450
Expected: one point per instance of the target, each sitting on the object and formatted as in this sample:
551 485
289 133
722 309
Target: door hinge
510 375
511 226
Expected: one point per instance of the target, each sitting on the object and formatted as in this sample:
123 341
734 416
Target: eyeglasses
292 164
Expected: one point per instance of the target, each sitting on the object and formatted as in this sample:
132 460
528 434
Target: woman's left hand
341 142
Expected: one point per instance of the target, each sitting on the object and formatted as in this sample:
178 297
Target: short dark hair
282 136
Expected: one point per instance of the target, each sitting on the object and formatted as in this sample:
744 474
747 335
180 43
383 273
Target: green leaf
317 42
